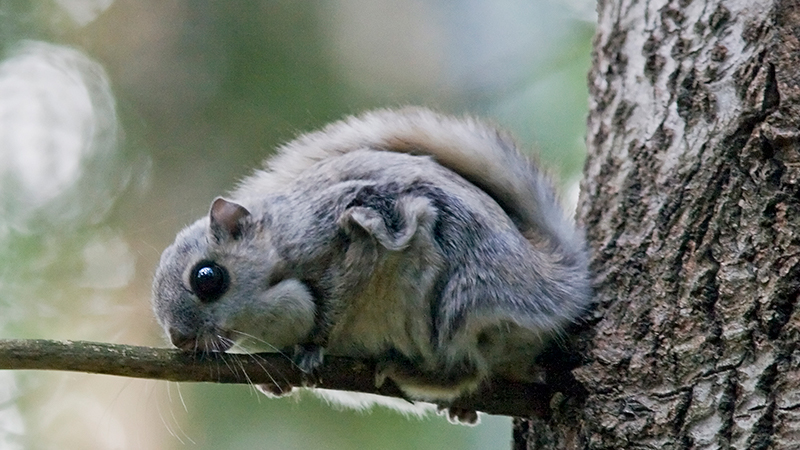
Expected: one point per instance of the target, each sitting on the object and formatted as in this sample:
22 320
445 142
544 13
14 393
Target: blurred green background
121 120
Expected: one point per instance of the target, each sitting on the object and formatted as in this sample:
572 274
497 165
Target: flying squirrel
425 242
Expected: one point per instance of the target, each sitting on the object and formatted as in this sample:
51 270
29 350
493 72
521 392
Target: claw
275 389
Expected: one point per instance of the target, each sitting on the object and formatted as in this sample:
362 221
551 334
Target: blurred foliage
198 93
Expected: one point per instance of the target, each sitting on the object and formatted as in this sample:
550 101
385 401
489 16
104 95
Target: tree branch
347 374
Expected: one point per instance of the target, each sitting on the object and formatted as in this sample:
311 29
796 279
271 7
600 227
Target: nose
182 341
200 342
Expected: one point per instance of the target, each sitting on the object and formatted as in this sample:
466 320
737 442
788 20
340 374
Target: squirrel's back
481 154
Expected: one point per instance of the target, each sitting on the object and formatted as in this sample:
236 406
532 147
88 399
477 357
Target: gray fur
424 241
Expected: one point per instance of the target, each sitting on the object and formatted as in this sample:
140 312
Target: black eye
209 281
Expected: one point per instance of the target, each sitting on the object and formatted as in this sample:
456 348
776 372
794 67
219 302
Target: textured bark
691 205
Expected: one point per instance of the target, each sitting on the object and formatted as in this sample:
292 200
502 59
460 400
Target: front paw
308 358
275 389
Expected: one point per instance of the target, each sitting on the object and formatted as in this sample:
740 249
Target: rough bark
690 201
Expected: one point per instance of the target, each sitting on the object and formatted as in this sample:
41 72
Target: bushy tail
481 154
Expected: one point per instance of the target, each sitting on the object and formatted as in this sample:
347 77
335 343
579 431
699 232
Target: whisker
233 345
261 361
223 357
180 428
169 428
250 383
219 354
180 396
267 344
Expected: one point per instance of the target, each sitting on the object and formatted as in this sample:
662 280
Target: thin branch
346 374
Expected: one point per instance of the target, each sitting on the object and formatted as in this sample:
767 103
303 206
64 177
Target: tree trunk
692 209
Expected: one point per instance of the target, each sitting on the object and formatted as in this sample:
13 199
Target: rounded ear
414 213
227 219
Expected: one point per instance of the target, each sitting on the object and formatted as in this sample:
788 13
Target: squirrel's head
222 282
